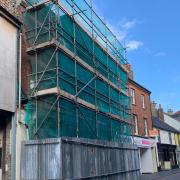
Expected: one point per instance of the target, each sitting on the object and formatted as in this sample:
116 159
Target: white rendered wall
173 138
8 64
164 136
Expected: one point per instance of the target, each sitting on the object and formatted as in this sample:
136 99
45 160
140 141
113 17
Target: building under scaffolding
78 80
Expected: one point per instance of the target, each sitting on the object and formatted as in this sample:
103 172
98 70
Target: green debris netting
53 116
73 121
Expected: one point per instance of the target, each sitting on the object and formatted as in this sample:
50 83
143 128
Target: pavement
163 175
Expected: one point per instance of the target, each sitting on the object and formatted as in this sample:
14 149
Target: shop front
167 156
147 153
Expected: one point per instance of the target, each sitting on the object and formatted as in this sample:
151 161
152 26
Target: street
163 175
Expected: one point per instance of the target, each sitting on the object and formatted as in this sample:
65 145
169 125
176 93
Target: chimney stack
153 109
160 113
170 111
130 72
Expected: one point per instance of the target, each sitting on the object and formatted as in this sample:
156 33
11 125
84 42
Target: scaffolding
78 83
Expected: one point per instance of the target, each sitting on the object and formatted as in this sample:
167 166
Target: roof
140 86
178 112
159 124
176 115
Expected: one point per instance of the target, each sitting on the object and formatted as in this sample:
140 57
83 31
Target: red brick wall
9 6
139 111
26 66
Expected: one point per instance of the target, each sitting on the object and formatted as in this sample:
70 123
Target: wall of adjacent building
9 35
167 137
20 136
139 111
9 5
164 137
12 6
8 65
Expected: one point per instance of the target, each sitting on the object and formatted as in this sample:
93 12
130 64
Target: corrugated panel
78 159
41 159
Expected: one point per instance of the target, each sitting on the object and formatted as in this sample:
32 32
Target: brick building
140 108
142 129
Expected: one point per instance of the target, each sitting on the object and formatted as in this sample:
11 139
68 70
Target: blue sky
151 28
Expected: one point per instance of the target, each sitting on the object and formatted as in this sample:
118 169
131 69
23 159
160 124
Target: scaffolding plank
47 91
74 57
71 97
37 5
44 45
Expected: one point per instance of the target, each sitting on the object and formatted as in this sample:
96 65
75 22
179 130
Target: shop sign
142 142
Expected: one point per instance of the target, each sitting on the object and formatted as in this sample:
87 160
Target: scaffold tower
78 80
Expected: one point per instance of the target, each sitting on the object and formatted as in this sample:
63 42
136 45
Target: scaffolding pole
59 43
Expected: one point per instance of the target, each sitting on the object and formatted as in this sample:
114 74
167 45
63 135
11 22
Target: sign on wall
153 133
143 142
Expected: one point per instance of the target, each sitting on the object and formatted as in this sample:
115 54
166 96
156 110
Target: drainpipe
20 79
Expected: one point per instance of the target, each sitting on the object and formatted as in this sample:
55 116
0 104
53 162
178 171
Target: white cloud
133 45
125 24
121 29
120 35
160 54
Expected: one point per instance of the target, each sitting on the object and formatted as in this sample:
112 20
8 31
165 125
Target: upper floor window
170 138
143 101
135 120
132 93
145 127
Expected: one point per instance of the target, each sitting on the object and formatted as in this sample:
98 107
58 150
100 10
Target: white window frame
135 119
145 127
143 101
133 98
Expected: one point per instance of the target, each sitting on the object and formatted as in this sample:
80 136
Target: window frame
135 119
133 96
143 101
145 127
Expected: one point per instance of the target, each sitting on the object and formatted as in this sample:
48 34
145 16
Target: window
145 127
159 138
135 120
170 138
132 93
143 101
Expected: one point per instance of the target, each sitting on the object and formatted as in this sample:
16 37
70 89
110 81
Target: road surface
163 175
